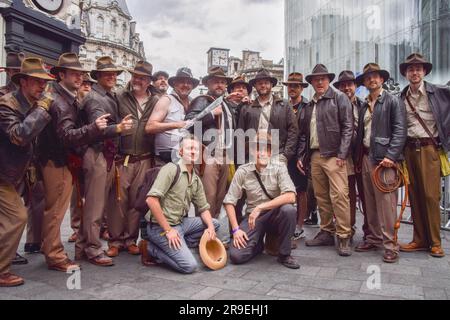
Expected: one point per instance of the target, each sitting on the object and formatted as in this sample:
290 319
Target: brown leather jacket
20 124
439 100
282 118
10 87
98 103
136 142
334 127
65 133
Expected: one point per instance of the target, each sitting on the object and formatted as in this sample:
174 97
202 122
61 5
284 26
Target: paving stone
394 268
206 293
231 295
435 294
396 291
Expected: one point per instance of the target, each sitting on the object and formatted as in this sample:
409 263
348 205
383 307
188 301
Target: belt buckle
418 145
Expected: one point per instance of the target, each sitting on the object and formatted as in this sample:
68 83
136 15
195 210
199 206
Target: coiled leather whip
381 185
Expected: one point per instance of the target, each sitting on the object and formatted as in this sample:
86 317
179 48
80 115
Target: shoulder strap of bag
177 177
262 185
422 123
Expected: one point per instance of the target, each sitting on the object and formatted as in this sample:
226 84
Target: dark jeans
280 221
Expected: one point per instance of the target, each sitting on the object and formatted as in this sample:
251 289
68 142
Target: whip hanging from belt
402 180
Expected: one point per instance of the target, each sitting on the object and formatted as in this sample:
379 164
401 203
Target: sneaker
298 234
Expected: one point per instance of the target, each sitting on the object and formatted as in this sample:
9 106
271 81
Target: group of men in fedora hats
93 146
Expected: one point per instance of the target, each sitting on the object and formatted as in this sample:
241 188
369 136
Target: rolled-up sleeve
199 198
284 181
236 189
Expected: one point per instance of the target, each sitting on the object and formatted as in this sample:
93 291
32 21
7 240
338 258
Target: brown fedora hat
415 59
68 61
105 64
218 73
32 67
296 78
264 74
371 68
184 73
14 60
239 80
320 71
143 68
345 76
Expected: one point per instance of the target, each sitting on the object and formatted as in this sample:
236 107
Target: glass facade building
347 34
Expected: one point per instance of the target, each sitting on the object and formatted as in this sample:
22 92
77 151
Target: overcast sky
178 33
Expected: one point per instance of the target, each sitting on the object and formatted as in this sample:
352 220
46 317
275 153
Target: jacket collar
99 89
23 101
429 88
64 93
276 100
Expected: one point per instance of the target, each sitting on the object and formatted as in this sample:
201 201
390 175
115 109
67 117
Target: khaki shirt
266 110
368 119
275 178
176 202
314 137
420 102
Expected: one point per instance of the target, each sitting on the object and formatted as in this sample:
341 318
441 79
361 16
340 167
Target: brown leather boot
344 249
323 239
10 280
146 259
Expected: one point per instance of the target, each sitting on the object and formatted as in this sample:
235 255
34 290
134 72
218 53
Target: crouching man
170 232
270 206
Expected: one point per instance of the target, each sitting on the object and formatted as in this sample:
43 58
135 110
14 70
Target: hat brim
303 84
94 73
207 78
140 73
383 73
231 86
172 81
404 67
213 253
55 70
159 74
338 83
43 76
330 76
274 81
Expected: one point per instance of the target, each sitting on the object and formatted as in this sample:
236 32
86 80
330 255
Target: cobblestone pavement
323 275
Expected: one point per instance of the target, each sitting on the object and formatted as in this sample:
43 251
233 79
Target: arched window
125 34
124 61
114 29
83 52
100 30
114 56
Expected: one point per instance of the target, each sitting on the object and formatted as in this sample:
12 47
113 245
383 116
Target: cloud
178 33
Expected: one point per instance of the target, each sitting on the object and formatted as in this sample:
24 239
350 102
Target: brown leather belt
420 142
121 159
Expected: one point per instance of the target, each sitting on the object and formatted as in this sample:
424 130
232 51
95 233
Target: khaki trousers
424 169
75 209
97 184
58 190
215 180
123 219
13 218
331 190
381 208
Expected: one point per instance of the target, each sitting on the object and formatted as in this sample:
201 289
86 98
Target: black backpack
150 177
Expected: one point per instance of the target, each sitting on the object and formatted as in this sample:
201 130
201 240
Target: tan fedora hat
296 78
372 68
68 61
213 253
32 67
415 59
14 60
218 73
239 80
105 64
142 68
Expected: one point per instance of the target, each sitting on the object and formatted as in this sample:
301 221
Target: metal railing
445 205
